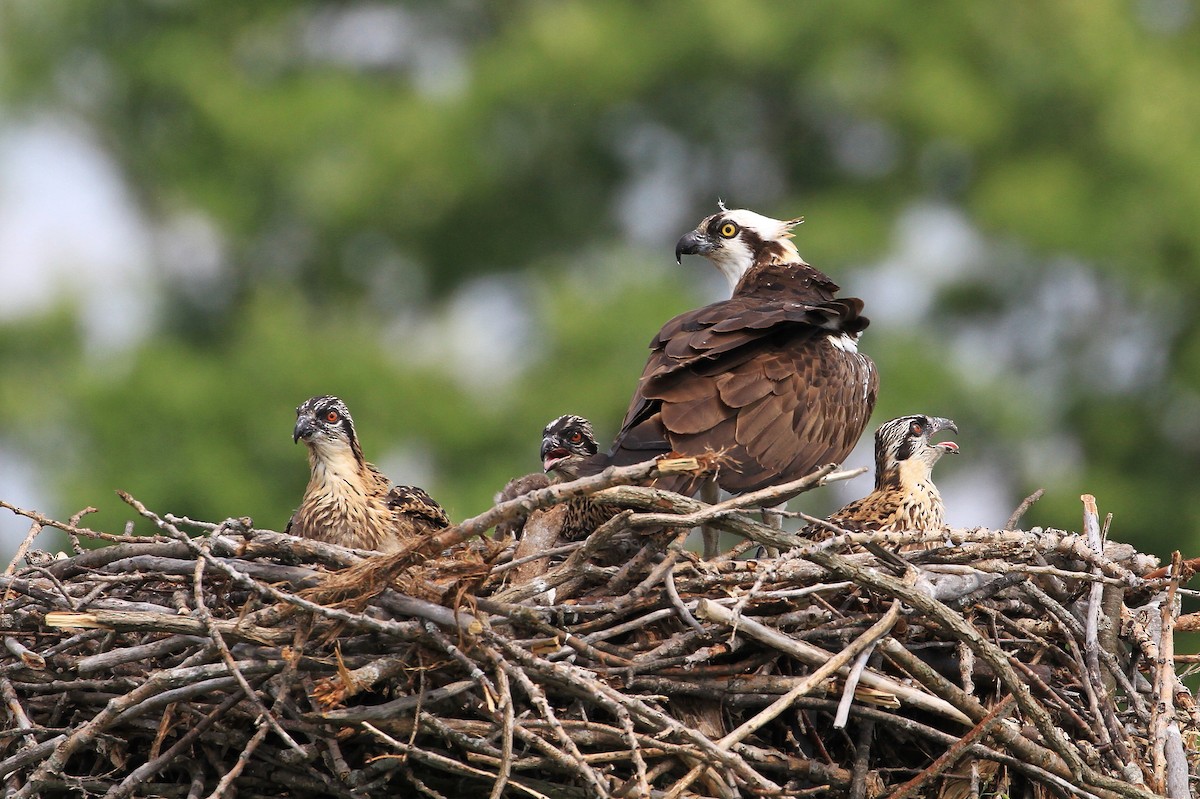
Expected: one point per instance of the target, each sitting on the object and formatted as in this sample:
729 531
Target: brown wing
416 503
762 381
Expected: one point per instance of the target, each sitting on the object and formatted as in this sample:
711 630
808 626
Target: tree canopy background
459 216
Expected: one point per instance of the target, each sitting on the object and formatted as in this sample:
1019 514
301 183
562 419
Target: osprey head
738 239
325 425
566 443
902 446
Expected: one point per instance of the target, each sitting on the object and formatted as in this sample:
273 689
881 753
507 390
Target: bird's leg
773 517
709 493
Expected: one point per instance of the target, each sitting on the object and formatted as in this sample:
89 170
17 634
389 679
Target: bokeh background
460 217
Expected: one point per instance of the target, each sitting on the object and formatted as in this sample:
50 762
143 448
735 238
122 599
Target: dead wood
220 659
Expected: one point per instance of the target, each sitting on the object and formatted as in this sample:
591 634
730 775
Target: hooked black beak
937 424
694 243
304 429
552 453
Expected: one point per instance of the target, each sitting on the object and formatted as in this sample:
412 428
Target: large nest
222 660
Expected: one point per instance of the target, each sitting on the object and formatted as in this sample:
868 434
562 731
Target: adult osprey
905 497
772 377
348 501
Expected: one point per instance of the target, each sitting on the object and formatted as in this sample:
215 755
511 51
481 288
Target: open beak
936 425
694 243
553 453
553 458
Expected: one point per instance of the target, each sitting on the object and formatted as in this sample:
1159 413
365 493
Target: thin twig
506 733
832 666
23 548
1163 712
445 763
677 603
71 529
247 751
1023 508
951 756
817 657
206 617
269 592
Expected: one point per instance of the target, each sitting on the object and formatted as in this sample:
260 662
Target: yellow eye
729 230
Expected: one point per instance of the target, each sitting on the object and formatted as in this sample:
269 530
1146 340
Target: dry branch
218 659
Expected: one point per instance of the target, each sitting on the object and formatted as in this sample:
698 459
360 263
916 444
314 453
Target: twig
23 548
28 658
995 658
817 657
773 495
681 510
400 706
569 568
862 751
215 634
1096 686
106 661
162 622
951 756
247 751
915 728
620 676
677 603
1024 507
445 763
1063 617
539 498
71 529
563 549
85 734
469 666
831 666
852 677
538 697
267 591
637 707
961 630
151 767
12 703
506 734
1163 711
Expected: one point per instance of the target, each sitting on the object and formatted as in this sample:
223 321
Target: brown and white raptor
905 497
348 501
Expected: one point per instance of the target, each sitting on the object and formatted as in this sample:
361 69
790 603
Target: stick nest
224 660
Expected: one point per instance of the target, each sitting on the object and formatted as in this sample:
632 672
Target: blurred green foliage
357 192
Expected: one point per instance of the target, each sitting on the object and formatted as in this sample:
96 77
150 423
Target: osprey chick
772 377
905 498
348 501
568 443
